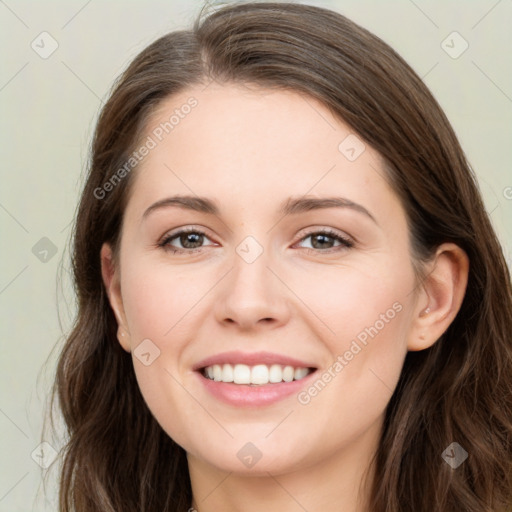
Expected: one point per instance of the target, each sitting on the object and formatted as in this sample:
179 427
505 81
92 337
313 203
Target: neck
336 482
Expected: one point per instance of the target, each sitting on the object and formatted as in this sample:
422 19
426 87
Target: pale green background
48 109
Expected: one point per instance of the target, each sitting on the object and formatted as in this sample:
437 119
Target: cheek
356 299
352 393
159 306
159 301
365 319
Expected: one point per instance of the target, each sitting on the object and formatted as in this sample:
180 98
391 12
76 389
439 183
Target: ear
440 297
111 280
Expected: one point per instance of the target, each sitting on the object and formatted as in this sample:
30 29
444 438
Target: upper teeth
259 374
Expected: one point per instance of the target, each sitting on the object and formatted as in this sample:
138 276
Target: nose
252 295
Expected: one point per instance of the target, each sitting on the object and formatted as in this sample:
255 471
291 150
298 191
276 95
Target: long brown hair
117 457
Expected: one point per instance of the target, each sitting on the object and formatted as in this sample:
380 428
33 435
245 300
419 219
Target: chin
256 458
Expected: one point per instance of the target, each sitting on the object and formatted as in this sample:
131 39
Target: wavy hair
117 457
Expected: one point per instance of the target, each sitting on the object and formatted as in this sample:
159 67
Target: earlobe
441 297
124 339
110 275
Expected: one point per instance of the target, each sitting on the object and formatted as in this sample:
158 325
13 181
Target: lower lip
245 395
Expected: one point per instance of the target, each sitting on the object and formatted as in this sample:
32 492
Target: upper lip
252 359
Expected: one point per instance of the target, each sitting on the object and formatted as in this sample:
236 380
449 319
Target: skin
249 149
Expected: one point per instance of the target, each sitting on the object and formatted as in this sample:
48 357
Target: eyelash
345 242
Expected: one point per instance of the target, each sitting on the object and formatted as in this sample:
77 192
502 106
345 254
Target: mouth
257 375
253 380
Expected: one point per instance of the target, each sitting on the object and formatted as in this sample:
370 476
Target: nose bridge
251 278
252 291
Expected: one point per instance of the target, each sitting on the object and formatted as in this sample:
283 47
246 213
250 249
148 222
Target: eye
323 241
190 239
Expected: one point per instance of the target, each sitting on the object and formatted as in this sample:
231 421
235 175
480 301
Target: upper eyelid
330 231
305 231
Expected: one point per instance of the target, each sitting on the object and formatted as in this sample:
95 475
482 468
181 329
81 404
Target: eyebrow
290 206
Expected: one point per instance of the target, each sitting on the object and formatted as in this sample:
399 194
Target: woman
290 295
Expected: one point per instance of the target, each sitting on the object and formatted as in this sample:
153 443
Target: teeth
241 374
288 372
227 373
275 373
217 372
300 373
259 374
256 375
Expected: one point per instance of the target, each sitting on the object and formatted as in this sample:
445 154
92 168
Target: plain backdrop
49 103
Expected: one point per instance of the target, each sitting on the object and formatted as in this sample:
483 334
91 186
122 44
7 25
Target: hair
117 457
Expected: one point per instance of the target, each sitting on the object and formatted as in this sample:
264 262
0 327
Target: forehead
270 124
247 144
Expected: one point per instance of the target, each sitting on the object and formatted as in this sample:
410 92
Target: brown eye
322 241
189 240
325 240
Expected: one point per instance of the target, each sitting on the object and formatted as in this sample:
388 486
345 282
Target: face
307 304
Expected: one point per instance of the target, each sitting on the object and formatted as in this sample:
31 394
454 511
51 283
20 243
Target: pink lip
252 359
245 395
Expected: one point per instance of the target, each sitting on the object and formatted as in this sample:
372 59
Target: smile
257 379
257 375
